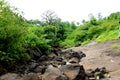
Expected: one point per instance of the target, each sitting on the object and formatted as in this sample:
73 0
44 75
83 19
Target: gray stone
11 76
52 73
73 71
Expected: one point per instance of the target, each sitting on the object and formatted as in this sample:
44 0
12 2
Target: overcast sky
67 10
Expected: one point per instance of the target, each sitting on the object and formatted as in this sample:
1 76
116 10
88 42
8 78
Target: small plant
85 42
115 47
67 43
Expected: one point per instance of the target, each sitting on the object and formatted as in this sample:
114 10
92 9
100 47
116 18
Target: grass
85 42
115 47
67 43
111 35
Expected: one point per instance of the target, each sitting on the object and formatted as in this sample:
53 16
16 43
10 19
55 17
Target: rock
89 73
56 63
52 73
57 51
57 67
11 76
67 63
40 69
67 51
78 55
63 77
77 44
63 63
110 79
1 79
51 56
43 58
58 58
35 54
32 76
73 71
74 60
33 65
101 72
14 76
97 73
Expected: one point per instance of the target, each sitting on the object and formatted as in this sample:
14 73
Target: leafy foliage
98 30
11 33
18 35
35 39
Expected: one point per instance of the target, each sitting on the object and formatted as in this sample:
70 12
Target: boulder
58 58
35 54
89 73
66 51
32 76
73 71
79 55
32 65
77 44
40 69
52 73
10 76
97 73
43 58
72 54
74 60
14 76
57 51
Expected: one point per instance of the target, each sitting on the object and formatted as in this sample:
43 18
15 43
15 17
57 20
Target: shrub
115 47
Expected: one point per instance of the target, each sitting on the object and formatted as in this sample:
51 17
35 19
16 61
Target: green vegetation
19 36
115 47
100 30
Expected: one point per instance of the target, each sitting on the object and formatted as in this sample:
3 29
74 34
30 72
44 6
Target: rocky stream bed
70 64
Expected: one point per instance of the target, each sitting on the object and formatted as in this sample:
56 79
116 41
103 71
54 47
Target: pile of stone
59 65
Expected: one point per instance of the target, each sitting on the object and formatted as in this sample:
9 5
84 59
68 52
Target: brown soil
102 55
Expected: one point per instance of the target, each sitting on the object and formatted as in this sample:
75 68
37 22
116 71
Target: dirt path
102 55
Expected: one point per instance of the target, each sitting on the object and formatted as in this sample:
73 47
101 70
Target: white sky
67 10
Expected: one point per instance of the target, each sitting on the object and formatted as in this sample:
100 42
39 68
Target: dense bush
11 33
18 35
35 39
97 30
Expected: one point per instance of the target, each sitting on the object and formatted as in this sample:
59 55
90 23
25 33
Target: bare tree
99 16
49 17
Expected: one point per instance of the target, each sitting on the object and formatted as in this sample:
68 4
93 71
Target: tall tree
49 17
